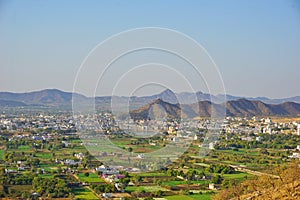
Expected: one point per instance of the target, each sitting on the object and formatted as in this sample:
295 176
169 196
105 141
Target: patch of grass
44 155
154 188
49 167
21 187
75 141
241 152
24 148
121 141
175 183
189 197
91 178
147 174
238 176
201 196
145 188
46 175
84 194
178 197
1 154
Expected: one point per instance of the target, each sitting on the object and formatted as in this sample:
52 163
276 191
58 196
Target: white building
295 155
175 139
79 155
211 145
211 186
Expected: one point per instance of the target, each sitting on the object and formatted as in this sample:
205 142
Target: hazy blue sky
256 44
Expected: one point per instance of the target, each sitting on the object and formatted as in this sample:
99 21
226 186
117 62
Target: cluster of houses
110 174
296 153
21 123
257 125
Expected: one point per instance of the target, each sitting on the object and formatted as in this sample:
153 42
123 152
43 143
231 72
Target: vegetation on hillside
287 186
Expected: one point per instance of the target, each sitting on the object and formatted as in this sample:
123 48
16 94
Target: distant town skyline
255 44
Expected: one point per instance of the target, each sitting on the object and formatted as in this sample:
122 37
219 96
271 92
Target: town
43 155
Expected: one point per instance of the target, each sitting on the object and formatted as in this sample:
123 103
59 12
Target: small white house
107 195
295 155
141 156
211 145
211 186
175 139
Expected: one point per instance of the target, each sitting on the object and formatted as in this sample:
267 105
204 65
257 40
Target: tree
170 172
86 174
217 179
59 170
159 182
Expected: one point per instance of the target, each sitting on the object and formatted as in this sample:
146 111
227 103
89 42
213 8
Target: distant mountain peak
167 92
166 100
157 108
158 101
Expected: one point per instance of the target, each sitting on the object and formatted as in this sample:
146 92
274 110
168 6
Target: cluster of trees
265 157
29 158
223 169
276 141
103 188
53 187
14 194
17 179
14 144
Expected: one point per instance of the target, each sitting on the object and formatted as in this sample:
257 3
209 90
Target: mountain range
240 107
190 104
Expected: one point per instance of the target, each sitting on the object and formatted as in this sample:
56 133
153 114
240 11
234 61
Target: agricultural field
176 183
89 179
84 194
145 188
24 148
190 197
238 176
44 155
1 154
149 174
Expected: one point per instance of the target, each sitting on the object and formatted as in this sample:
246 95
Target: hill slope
168 103
241 107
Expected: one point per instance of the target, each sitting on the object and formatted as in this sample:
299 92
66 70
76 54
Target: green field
238 176
241 151
147 174
46 175
24 148
190 197
91 178
44 155
75 141
84 194
49 167
1 154
175 183
145 188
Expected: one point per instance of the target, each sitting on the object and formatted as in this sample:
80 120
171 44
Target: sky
255 44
